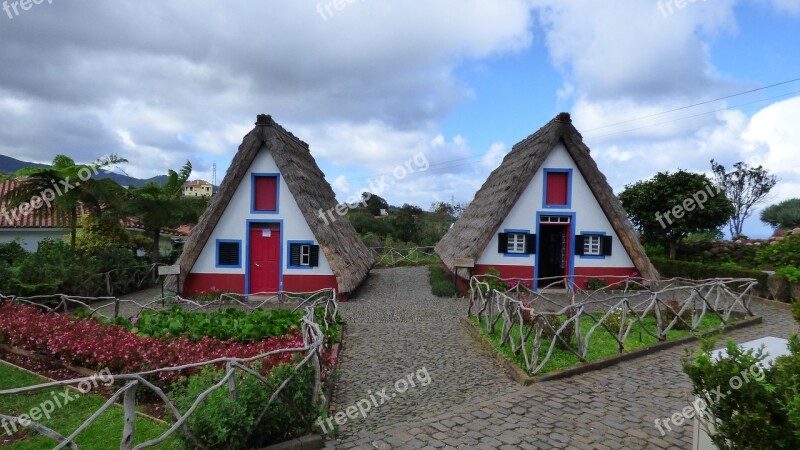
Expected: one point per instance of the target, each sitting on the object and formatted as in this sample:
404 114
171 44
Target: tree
67 186
159 206
407 222
745 187
669 207
785 214
374 203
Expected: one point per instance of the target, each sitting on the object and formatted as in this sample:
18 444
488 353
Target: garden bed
604 349
65 347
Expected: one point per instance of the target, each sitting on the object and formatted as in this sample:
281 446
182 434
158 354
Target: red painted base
200 283
308 283
582 274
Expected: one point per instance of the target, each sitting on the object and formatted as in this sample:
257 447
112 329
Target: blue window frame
517 243
228 254
594 245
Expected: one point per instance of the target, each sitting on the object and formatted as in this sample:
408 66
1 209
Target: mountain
9 164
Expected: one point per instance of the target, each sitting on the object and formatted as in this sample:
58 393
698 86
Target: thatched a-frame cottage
264 231
547 211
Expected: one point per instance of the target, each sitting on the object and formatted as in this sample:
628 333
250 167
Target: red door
265 257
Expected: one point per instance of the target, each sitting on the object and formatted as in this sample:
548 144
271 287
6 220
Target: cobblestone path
396 327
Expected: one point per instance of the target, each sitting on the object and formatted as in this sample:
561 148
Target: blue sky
376 82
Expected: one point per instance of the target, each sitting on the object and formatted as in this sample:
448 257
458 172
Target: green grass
104 433
601 345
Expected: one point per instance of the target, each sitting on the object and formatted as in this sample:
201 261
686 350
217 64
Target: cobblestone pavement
395 326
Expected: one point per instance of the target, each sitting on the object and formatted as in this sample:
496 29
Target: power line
695 104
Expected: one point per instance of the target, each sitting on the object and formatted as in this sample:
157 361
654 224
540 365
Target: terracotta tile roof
197 183
53 217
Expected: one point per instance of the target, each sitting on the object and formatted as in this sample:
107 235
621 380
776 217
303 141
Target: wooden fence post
129 406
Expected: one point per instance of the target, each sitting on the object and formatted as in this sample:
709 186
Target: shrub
51 269
441 283
696 271
555 322
12 252
669 311
766 403
594 284
791 273
221 422
614 321
784 252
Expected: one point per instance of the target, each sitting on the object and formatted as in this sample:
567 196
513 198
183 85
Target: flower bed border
518 375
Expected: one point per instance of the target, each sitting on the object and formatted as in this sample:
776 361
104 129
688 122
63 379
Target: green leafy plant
791 273
222 422
785 252
594 284
441 284
763 401
670 310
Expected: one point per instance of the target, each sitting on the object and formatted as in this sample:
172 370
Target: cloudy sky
371 83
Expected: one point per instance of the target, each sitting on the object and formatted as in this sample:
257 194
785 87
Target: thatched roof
347 255
470 235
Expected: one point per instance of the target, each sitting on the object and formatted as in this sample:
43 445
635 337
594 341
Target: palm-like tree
159 206
68 186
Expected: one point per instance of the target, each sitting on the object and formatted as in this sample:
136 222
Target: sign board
169 270
266 232
464 262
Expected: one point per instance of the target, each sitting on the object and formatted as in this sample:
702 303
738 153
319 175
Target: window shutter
313 258
530 244
228 254
502 243
294 255
579 244
605 248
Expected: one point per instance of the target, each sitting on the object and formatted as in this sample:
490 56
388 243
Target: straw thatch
470 235
347 255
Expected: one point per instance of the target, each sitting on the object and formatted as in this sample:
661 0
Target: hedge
673 268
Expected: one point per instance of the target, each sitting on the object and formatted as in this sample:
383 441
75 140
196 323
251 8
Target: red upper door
265 258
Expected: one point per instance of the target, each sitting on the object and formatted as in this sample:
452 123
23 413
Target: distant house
266 230
547 211
197 188
45 222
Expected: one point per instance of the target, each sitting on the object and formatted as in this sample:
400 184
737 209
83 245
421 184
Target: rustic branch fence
119 281
313 343
525 317
393 257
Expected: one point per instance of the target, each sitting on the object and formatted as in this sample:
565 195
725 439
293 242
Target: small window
591 245
516 243
229 254
557 188
265 193
303 255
